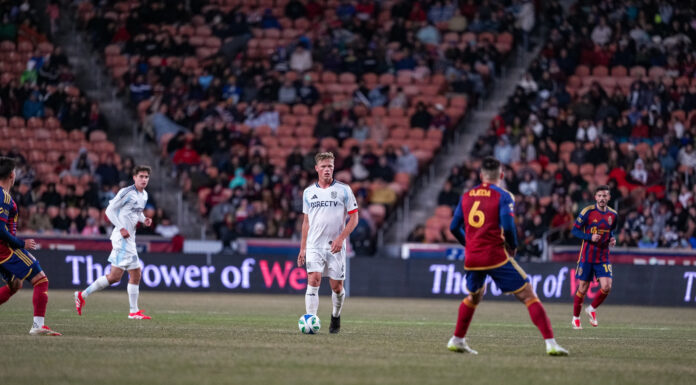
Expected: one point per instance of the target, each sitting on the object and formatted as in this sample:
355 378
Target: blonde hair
323 156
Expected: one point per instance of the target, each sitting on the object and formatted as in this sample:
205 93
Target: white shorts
124 255
328 264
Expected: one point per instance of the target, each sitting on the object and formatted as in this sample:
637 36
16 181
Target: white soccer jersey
126 210
327 209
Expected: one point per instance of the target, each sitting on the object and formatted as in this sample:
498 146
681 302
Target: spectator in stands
294 10
301 59
406 162
447 196
421 118
139 90
81 165
166 228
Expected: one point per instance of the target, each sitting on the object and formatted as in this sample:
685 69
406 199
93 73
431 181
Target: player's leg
603 272
12 285
475 281
40 301
583 275
134 275
337 274
316 264
101 283
338 297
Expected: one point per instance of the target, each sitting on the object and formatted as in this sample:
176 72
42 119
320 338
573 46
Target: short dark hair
602 188
7 165
141 168
490 164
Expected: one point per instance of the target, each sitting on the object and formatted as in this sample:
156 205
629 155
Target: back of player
484 223
488 209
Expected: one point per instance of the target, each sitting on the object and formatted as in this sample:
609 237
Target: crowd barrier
380 277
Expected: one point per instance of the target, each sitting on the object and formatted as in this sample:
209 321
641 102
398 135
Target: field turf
254 339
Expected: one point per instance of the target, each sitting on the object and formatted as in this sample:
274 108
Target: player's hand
596 237
148 222
301 257
336 245
612 242
30 244
124 233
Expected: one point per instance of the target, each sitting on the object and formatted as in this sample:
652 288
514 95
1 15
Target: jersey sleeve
350 202
115 205
579 226
507 219
305 202
5 234
457 224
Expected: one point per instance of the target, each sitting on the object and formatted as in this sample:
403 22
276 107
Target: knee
606 288
337 288
476 298
14 286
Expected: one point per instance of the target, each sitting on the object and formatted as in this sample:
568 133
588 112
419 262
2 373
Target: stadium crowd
610 100
241 93
68 169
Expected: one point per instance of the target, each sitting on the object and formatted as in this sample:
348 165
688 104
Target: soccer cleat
556 350
138 315
335 325
44 331
460 346
576 323
79 302
593 317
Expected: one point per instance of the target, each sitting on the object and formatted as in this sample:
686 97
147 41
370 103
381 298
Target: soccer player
324 231
595 226
16 263
124 212
484 222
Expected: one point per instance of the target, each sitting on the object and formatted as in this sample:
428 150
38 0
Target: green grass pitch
254 339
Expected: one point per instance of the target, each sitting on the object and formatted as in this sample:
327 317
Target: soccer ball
309 324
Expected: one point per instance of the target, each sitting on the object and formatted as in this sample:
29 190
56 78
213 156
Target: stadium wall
553 282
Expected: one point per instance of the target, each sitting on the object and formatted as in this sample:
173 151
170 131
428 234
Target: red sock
577 303
601 296
5 294
538 315
40 297
466 313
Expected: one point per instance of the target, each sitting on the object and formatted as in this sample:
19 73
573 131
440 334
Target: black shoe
335 326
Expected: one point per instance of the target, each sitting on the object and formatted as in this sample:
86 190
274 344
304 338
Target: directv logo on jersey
324 204
315 197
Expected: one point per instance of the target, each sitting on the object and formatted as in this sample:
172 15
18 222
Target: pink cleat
79 302
593 317
138 315
576 323
44 331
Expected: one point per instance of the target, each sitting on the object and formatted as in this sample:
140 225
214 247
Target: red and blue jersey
592 220
484 221
8 226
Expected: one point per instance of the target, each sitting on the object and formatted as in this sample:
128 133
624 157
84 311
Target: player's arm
115 208
457 225
579 228
303 242
337 244
305 230
612 238
11 240
507 221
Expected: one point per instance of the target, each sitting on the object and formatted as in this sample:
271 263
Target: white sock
38 322
550 342
574 318
311 299
337 300
133 292
456 339
590 309
100 284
